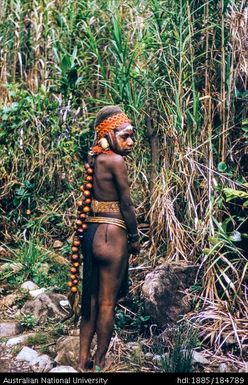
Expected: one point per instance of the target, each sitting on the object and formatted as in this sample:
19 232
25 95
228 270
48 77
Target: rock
65 303
164 292
8 329
41 364
198 358
29 285
149 356
63 369
46 306
157 359
57 244
27 354
67 351
19 339
223 368
35 293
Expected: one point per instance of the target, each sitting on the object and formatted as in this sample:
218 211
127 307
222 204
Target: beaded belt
111 221
105 207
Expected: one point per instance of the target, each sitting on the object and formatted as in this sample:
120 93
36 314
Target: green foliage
31 258
44 349
179 357
23 298
37 339
121 319
233 194
225 258
58 329
222 167
138 320
28 321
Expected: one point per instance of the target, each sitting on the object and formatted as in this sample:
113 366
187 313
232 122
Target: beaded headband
105 127
111 123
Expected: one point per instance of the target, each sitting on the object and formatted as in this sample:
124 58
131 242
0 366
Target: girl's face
122 139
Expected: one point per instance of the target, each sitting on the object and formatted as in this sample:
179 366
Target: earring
104 143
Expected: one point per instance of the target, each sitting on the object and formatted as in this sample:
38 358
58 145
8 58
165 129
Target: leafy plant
179 357
38 338
28 321
139 320
31 258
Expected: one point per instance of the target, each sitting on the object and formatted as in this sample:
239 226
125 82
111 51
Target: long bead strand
84 207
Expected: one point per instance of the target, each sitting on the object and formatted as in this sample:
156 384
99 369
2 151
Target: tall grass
179 68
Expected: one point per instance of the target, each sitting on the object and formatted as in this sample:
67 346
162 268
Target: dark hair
105 113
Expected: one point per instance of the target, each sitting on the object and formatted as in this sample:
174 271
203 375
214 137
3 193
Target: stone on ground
42 364
37 292
27 354
46 306
57 244
67 351
29 285
198 358
8 329
164 291
19 339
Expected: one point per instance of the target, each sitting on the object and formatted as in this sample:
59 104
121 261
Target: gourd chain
83 206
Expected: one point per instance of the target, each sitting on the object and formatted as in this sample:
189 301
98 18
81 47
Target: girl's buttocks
110 241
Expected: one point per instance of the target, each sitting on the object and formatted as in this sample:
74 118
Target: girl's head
114 131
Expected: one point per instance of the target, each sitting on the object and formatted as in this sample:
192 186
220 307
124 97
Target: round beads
89 186
86 209
83 205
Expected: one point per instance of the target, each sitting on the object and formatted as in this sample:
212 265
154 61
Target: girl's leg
88 328
112 257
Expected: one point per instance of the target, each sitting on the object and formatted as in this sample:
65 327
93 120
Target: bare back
111 184
104 185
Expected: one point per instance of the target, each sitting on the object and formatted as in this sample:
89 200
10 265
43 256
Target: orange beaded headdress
107 125
111 123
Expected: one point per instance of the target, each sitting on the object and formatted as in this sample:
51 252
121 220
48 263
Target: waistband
111 221
105 207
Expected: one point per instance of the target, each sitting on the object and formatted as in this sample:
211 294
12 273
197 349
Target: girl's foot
99 365
85 365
